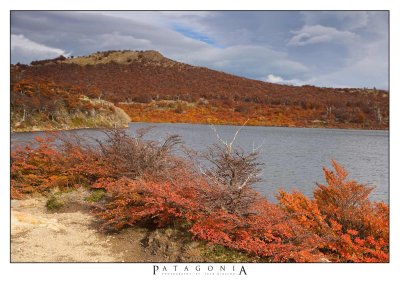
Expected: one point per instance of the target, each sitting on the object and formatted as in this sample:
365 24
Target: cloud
85 32
368 68
342 20
279 80
246 60
324 48
27 50
115 40
314 34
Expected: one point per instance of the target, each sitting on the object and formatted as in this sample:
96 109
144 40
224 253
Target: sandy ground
71 236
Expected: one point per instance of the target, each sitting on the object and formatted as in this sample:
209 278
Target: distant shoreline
38 130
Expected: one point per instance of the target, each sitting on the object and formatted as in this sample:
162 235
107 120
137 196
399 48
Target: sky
322 48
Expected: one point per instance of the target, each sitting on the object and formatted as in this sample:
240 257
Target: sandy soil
71 235
40 236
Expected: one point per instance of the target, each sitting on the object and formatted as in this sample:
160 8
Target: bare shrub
122 155
133 156
232 172
232 167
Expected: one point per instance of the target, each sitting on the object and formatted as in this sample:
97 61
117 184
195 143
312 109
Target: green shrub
54 203
95 195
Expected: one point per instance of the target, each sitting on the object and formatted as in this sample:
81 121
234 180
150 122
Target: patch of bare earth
71 235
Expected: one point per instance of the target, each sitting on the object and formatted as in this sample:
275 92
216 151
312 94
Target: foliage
54 203
149 203
141 182
259 114
143 98
45 104
352 228
43 95
96 195
231 172
38 168
263 232
74 161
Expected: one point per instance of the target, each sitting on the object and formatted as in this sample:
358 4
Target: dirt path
71 235
40 236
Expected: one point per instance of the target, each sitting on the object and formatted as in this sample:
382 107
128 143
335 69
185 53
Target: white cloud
279 80
313 34
29 50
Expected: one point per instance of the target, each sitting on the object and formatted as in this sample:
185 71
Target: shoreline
44 130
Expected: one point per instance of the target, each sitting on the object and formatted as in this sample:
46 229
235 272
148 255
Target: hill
38 105
152 88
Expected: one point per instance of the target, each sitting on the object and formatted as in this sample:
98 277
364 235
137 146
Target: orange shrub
353 229
265 232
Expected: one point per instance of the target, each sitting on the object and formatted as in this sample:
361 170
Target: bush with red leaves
147 185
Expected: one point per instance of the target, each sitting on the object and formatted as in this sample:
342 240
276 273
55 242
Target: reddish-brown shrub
147 202
37 168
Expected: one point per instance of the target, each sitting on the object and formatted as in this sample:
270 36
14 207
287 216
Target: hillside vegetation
43 105
142 82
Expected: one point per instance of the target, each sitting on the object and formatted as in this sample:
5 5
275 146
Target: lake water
293 157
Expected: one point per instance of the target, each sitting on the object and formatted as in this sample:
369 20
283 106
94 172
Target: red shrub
146 202
37 169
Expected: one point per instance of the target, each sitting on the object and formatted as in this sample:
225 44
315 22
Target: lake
293 157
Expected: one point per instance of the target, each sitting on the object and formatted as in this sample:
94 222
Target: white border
255 271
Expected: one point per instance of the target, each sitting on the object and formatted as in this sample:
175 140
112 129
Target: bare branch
237 132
